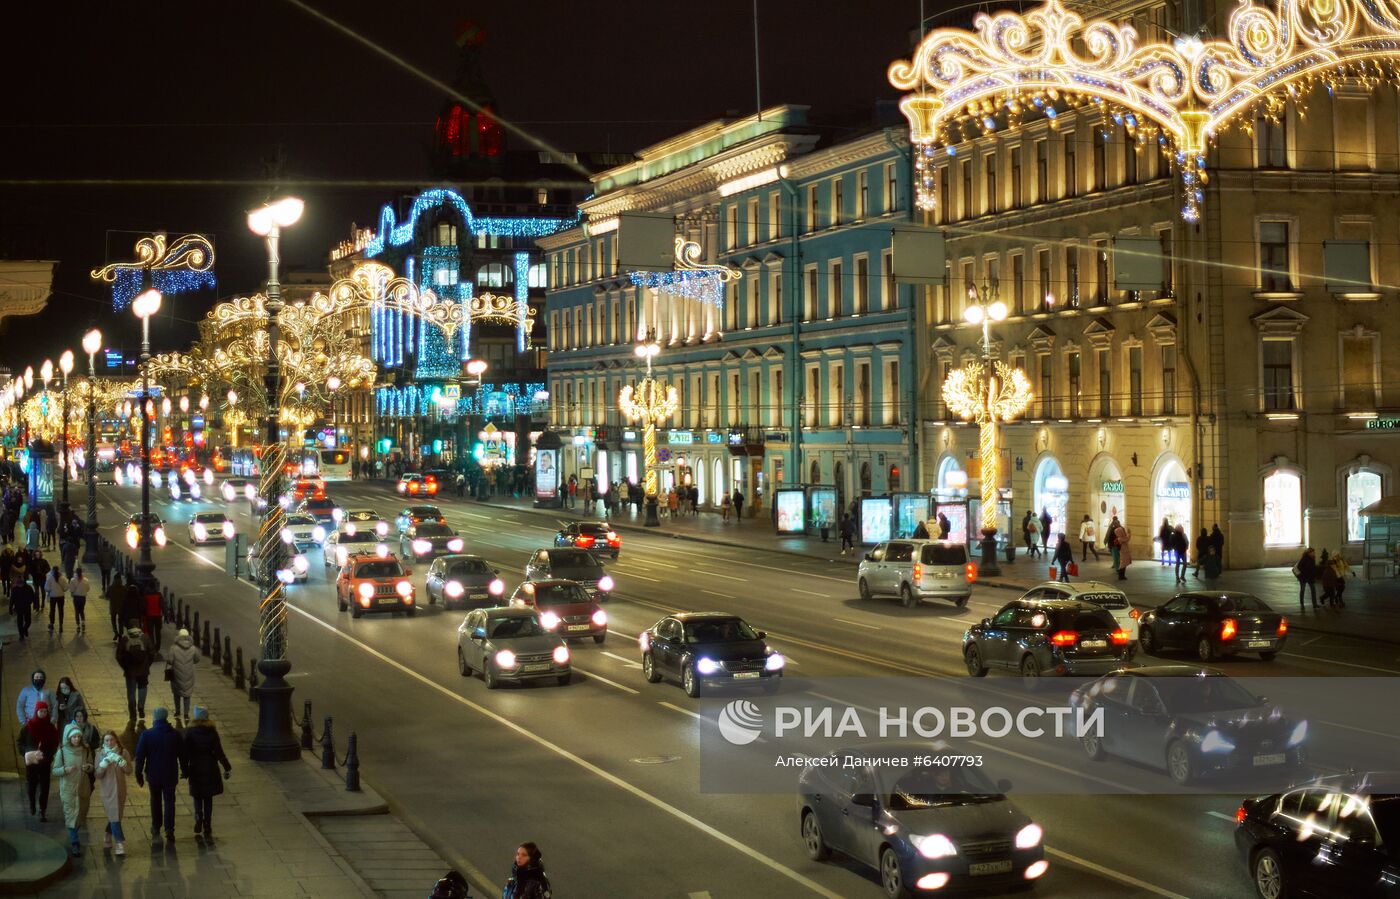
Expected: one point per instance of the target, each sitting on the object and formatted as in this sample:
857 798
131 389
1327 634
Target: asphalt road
604 773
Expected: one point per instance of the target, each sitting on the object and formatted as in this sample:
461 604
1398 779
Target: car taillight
918 572
970 570
1239 815
1064 638
584 541
432 488
549 621
613 539
1119 637
404 588
1282 626
160 536
1134 614
1228 628
600 618
561 655
413 488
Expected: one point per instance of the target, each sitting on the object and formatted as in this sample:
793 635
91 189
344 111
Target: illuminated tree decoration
692 279
651 403
973 393
1015 67
184 266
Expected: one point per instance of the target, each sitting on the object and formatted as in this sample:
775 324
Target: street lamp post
650 403
145 306
65 509
274 741
92 342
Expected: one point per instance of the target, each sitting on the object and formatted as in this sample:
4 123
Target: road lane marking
654 580
1313 640
611 683
713 593
703 894
1360 730
616 781
1294 655
1112 874
716 574
1222 816
809 592
857 624
684 711
623 659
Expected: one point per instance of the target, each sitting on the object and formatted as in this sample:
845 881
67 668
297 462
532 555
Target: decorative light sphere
997 311
974 314
146 304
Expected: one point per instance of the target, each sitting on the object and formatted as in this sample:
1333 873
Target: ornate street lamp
65 510
985 392
651 403
274 741
92 342
144 306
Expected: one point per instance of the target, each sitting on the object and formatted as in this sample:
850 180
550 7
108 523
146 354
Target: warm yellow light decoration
192 252
964 84
501 309
652 404
374 282
974 393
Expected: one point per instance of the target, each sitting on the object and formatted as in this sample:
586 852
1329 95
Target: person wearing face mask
32 695
113 765
70 701
72 764
527 877
91 740
38 742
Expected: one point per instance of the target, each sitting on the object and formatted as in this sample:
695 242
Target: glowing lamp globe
92 341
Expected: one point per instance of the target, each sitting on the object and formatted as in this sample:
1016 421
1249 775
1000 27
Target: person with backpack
158 753
527 877
1031 527
133 605
1088 536
1122 538
135 653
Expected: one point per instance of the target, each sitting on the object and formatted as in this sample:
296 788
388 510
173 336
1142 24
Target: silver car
1096 592
918 570
511 644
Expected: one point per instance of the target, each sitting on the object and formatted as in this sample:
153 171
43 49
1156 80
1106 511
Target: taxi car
369 583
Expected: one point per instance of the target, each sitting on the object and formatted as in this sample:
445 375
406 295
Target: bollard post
195 632
179 612
308 737
167 609
228 656
327 747
204 646
253 681
352 766
218 657
238 670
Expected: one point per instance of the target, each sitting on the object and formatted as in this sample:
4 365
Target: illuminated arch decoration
1015 67
692 279
503 310
396 234
184 266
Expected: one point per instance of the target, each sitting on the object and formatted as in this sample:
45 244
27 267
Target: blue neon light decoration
129 281
396 234
707 287
522 295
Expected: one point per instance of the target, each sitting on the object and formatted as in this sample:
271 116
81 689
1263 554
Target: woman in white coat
71 765
113 765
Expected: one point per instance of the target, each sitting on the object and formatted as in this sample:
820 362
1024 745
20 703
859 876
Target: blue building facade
800 372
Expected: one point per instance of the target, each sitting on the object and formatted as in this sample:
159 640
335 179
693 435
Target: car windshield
473 566
597 530
383 568
424 512
569 558
210 517
939 787
1203 694
323 503
559 594
514 626
357 537
1243 602
720 630
943 554
1084 620
300 519
433 529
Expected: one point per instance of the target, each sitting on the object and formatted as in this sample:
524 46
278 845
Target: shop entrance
1052 492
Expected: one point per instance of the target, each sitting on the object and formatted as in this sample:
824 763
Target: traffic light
385 443
437 447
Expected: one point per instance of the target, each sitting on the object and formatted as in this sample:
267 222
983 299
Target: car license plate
541 666
1255 644
745 674
388 601
578 627
1277 758
1093 644
1000 867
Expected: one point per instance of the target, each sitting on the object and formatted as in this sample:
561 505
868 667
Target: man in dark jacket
135 652
158 763
133 605
1045 521
22 602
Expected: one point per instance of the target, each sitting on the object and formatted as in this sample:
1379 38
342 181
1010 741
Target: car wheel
462 667
649 669
357 613
1030 668
599 638
412 611
864 589
973 657
961 601
1148 641
812 838
614 555
891 878
1269 881
342 606
906 596
489 676
1179 762
1268 656
1093 746
690 681
1205 650
565 678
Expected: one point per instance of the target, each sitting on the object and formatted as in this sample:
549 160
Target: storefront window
1171 497
1283 509
952 480
1363 488
1107 489
1052 492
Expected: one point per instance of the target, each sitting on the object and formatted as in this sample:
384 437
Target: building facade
798 372
1247 388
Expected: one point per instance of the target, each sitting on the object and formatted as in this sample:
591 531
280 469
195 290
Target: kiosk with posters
821 508
958 518
790 505
876 519
909 510
547 492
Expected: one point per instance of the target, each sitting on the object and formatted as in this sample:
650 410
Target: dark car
565 608
1042 637
578 565
1214 624
709 647
412 515
920 828
429 538
1337 836
1191 721
598 538
511 645
460 580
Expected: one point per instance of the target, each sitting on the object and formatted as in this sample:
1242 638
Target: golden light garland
192 252
986 397
651 403
966 84
501 309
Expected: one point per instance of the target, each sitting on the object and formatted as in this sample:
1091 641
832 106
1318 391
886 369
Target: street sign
452 391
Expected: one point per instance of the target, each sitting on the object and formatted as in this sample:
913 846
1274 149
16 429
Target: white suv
1110 598
916 570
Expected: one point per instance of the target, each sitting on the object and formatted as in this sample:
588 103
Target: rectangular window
712 408
862 286
1134 380
969 280
967 212
1071 297
862 194
554 329
812 401
1359 373
810 297
775 299
838 199
993 278
891 187
777 402
752 223
890 405
752 306
1274 270
990 184
731 226
1352 117
1105 384
1102 286
836 290
945 198
1045 364
862 405
1042 263
1071 168
755 397
1015 177
1018 283
733 403
812 207
838 396
1100 159
1130 160
1042 171
1271 140
945 300
1164 237
1074 386
889 290
775 216
1277 388
1169 379
944 369
731 307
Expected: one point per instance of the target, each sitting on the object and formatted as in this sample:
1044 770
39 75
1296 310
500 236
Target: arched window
894 478
1363 488
816 473
865 479
494 274
539 277
1283 508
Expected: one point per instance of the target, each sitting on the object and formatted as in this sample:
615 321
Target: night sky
180 95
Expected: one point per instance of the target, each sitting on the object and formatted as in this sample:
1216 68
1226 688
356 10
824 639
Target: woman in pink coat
113 765
1125 551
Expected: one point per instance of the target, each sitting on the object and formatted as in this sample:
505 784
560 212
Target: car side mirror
870 557
479 633
864 799
762 635
986 622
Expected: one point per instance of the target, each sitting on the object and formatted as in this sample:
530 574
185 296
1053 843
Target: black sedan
428 539
1042 637
598 537
1337 836
707 648
1192 721
1214 624
460 580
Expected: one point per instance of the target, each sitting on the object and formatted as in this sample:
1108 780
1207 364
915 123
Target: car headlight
935 845
174 490
453 589
194 491
1300 733
337 514
381 528
299 564
455 544
706 666
600 618
228 493
404 588
341 554
497 587
133 537
381 550
318 534
1029 836
421 546
250 491
227 530
155 479
561 655
505 659
775 662
200 531
549 621
209 477
285 575
287 536
1215 741
160 536
605 583
366 590
189 476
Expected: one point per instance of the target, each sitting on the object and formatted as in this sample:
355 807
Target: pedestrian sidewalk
1372 607
270 837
